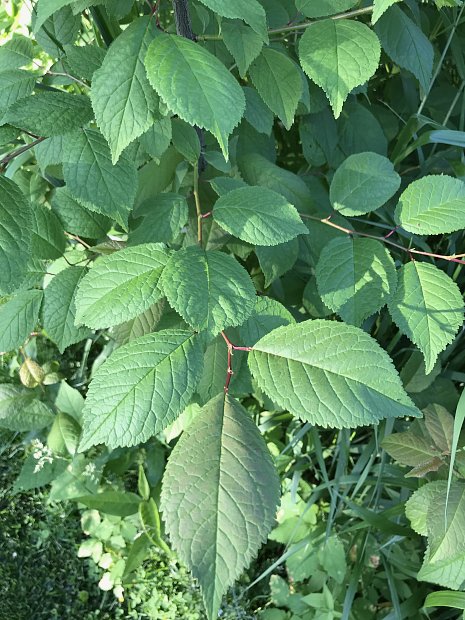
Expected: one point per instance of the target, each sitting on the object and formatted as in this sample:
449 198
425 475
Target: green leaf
124 103
186 77
141 325
163 217
219 496
157 139
258 215
355 277
363 183
15 235
16 53
256 112
48 238
61 29
445 599
18 318
339 55
142 388
432 205
14 85
427 307
50 113
185 140
249 11
215 366
445 523
121 286
268 315
416 508
150 520
330 374
209 289
21 410
322 8
380 7
32 478
84 60
409 449
406 44
242 42
118 503
63 437
46 8
277 260
60 308
76 219
92 179
279 83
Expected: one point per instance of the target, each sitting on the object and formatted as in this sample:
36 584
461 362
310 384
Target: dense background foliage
231 268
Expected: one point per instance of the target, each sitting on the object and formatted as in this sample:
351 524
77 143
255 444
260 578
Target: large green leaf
15 235
249 11
277 260
363 183
21 410
195 85
243 43
279 83
268 315
410 449
355 277
330 374
50 113
123 100
219 497
339 55
416 507
60 308
16 53
142 388
18 317
121 286
427 307
432 205
46 8
322 8
209 289
92 179
406 44
258 215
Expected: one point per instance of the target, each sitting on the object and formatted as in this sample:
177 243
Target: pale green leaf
446 523
142 388
46 8
339 55
18 318
219 497
121 286
60 308
76 219
195 85
63 437
278 82
409 449
21 410
355 277
448 573
330 374
380 7
249 11
277 260
243 43
50 113
363 183
432 205
15 235
258 215
124 102
322 8
209 289
92 179
416 508
427 307
406 44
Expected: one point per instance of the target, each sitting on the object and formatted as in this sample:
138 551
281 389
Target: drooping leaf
123 100
339 55
322 8
121 286
92 179
330 374
432 205
76 219
60 308
278 82
249 11
355 277
363 183
243 43
209 289
258 215
18 318
163 217
427 307
185 140
142 388
15 235
219 497
186 77
21 410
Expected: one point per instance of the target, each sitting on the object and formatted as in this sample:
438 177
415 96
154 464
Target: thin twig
6 160
229 371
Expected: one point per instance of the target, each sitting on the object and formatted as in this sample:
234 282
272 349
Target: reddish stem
229 371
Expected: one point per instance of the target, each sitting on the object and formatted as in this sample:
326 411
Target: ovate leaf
258 215
209 289
163 216
427 307
268 315
339 55
355 277
249 11
279 83
21 410
15 84
256 112
380 7
63 437
410 449
142 388
123 100
363 183
48 238
445 523
46 8
330 374
219 497
277 260
416 508
432 205
18 317
121 286
60 308
322 8
187 78
16 53
242 42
